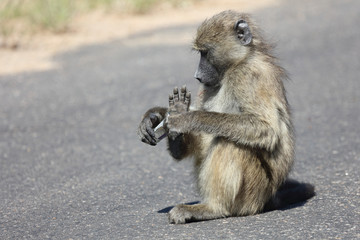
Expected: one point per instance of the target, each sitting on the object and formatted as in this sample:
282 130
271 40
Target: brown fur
241 133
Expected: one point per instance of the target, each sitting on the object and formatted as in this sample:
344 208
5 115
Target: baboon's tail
291 192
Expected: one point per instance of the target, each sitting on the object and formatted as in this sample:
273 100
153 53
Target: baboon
240 133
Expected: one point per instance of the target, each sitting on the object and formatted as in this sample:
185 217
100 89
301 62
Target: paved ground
73 168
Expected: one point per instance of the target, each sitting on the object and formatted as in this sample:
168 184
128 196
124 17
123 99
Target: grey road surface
72 167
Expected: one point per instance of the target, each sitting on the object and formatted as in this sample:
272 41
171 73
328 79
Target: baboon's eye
203 53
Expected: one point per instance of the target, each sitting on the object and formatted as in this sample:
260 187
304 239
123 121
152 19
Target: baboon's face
221 42
206 72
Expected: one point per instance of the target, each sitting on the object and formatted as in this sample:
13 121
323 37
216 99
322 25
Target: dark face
206 73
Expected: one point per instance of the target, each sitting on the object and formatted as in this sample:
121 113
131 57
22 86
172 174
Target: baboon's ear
243 32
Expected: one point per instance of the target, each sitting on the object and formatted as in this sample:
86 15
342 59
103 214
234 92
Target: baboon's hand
146 128
179 102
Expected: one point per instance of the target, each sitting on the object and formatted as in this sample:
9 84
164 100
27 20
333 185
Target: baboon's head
223 40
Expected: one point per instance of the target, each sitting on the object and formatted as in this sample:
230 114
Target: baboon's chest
223 101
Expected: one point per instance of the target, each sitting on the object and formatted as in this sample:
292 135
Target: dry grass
25 17
99 25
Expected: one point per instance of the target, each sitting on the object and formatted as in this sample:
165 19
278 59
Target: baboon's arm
243 128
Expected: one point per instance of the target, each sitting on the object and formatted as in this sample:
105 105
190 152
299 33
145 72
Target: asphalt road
72 166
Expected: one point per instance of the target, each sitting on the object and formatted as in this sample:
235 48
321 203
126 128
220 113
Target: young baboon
240 133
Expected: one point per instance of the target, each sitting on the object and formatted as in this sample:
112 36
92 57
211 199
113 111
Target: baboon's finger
187 99
146 134
171 100
183 93
176 94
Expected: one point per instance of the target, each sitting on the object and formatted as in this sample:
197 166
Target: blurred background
37 29
20 17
